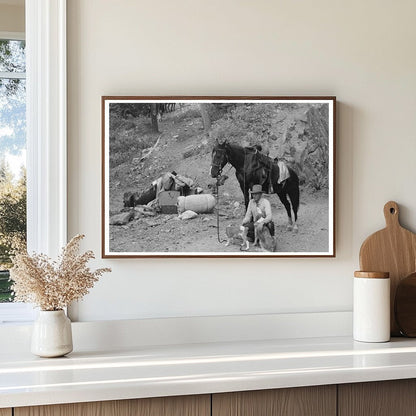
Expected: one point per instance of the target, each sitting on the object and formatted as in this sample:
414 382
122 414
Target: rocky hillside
296 133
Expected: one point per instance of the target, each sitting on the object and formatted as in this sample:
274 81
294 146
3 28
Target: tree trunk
206 119
153 116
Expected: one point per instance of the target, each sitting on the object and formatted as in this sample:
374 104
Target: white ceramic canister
371 322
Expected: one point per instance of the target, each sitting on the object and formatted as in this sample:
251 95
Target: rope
218 210
218 196
244 177
218 204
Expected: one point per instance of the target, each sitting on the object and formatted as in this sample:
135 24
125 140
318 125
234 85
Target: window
46 135
12 164
12 154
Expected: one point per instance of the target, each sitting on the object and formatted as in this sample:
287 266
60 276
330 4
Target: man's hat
257 189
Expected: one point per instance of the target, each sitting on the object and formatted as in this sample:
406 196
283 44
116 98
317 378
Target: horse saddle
284 172
261 168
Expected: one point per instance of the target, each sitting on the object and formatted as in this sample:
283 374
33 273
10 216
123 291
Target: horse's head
219 158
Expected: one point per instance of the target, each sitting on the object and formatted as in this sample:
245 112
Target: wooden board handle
391 214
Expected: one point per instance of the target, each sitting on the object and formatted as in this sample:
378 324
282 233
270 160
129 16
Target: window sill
16 313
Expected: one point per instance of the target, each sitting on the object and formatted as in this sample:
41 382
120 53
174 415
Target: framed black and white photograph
218 176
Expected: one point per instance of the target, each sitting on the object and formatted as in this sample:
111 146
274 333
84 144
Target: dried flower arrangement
53 285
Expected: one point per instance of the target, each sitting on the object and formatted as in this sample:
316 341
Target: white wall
363 52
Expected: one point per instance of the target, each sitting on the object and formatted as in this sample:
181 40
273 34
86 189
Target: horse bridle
224 156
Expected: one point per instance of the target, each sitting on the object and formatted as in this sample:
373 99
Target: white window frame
14 312
46 133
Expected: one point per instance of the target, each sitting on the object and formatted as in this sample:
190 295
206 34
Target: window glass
12 56
12 156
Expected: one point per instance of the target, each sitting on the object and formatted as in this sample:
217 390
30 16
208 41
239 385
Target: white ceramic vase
52 334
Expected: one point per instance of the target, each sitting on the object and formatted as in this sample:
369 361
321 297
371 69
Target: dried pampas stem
53 285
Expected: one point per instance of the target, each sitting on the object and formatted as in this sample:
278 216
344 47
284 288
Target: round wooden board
393 250
405 305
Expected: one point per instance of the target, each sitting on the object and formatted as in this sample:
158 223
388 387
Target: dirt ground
167 233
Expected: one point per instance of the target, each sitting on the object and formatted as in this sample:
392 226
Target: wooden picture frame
164 155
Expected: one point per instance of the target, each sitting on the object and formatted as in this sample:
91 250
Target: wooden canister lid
372 275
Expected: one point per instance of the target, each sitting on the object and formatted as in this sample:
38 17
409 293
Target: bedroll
201 204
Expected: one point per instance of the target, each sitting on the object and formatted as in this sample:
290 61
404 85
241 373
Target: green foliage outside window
12 148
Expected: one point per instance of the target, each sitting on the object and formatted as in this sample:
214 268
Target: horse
253 167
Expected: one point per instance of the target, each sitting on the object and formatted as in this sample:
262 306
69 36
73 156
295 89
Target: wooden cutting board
393 250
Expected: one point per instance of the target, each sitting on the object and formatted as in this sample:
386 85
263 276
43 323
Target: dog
263 237
237 235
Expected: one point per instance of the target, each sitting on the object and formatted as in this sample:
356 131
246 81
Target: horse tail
294 191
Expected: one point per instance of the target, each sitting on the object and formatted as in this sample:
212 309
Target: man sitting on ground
259 211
